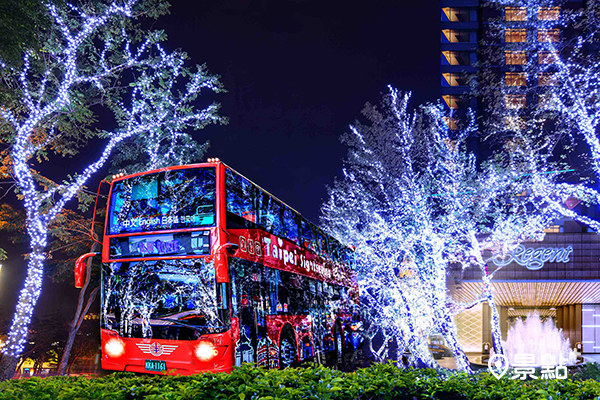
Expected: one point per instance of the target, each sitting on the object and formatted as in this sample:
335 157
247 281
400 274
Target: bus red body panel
179 356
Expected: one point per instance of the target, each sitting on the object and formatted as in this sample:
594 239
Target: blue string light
156 114
416 206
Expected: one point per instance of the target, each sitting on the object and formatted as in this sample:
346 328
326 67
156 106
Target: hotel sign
534 258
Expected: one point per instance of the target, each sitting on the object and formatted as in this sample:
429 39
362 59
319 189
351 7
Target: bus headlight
206 351
114 348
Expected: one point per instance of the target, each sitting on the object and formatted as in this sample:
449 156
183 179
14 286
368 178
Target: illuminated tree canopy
415 204
94 56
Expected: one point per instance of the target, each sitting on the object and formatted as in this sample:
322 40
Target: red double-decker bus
203 270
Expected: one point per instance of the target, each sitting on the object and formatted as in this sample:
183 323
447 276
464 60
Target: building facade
558 277
460 37
492 48
504 45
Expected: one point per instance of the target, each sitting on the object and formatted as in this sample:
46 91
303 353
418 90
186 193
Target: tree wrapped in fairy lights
415 205
94 57
387 207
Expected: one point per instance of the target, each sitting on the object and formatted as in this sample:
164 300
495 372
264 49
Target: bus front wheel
288 354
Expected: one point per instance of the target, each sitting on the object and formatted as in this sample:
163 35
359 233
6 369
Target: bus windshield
164 299
174 199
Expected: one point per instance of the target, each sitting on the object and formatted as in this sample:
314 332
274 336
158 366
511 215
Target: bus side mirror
80 269
231 248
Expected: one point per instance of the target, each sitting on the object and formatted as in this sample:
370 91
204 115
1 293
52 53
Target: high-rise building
460 34
490 43
505 45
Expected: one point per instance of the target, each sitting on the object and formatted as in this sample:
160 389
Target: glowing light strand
137 118
407 239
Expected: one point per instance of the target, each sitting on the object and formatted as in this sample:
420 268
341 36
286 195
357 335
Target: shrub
377 382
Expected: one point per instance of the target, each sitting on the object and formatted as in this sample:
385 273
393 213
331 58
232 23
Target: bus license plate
156 365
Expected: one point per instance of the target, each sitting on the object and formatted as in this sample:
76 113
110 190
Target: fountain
541 339
533 337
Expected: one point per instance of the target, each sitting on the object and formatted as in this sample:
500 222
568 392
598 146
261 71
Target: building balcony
459 46
457 69
473 25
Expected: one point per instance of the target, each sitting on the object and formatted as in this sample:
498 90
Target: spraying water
541 339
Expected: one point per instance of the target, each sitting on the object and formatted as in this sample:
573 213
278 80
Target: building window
456 14
515 101
515 35
547 57
515 79
515 14
553 229
454 80
452 123
455 102
548 13
515 58
514 123
548 35
547 79
456 36
456 58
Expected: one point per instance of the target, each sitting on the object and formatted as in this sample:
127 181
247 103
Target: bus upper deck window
290 225
145 189
321 243
270 214
240 197
310 239
335 250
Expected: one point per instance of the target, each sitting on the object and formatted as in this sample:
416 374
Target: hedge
379 381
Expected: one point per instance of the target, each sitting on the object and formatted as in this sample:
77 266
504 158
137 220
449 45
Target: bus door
253 345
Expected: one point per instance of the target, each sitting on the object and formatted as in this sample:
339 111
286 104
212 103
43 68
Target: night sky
297 72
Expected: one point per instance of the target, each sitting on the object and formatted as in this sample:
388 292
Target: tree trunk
80 313
22 361
17 335
447 328
38 364
70 364
8 366
496 331
487 291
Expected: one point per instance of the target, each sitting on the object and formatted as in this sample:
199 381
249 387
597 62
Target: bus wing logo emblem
156 349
